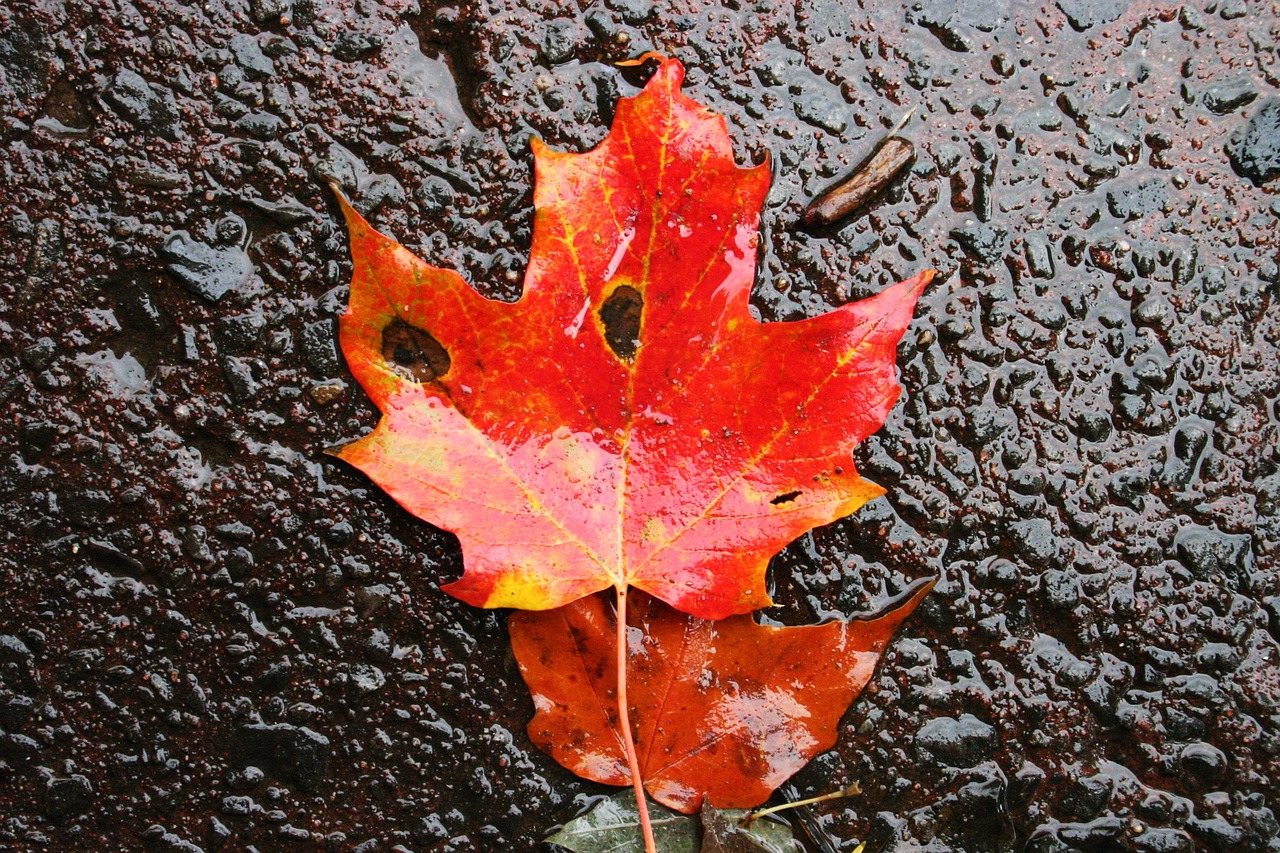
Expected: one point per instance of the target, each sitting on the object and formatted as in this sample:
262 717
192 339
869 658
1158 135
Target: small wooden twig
847 791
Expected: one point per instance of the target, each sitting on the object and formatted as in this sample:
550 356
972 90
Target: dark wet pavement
214 636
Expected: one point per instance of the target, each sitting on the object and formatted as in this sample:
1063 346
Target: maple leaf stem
624 723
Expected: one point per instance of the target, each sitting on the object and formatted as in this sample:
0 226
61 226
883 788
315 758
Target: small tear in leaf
785 498
413 352
620 315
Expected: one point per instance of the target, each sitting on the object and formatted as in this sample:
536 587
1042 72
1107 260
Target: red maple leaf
627 422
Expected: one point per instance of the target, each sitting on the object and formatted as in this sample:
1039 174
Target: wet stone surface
215 637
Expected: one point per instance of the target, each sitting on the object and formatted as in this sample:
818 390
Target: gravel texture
215 637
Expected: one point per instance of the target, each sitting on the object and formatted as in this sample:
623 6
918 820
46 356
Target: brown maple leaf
725 710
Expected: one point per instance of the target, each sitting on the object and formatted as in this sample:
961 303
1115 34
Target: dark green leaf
722 834
613 826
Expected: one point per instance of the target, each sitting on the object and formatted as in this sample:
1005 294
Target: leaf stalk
624 723
847 791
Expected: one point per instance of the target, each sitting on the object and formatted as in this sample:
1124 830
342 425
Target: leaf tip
916 285
645 57
353 217
335 450
896 610
336 189
916 592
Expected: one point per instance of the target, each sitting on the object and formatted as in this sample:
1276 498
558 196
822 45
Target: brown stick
871 177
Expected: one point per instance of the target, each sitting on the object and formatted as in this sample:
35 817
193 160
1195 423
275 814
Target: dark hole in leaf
620 315
414 352
785 498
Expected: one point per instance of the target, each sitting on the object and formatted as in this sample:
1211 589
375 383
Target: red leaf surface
727 710
571 452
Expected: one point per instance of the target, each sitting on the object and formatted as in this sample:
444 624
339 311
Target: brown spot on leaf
413 352
620 315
